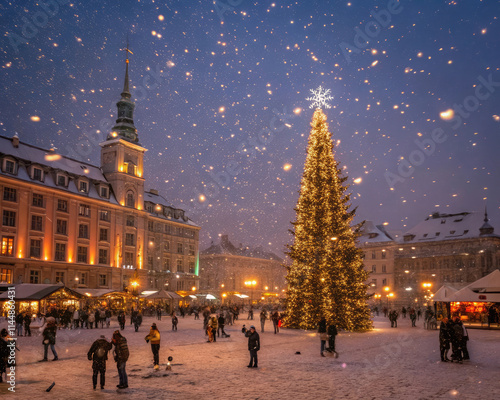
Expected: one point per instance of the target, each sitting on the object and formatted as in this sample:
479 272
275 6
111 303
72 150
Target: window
34 276
150 262
103 256
384 282
5 275
62 227
84 210
104 192
83 278
374 283
374 254
61 180
167 229
180 266
37 200
374 268
130 199
179 248
129 258
166 246
84 186
191 267
9 194
60 252
10 167
59 276
35 248
384 253
151 227
82 255
129 239
166 263
7 245
384 268
36 223
103 280
191 250
9 218
103 234
130 220
83 231
105 215
62 205
37 174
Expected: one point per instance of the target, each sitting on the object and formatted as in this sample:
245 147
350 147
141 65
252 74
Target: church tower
122 155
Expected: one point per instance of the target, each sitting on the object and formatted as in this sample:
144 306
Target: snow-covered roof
95 292
467 295
487 284
31 291
163 209
440 226
444 293
371 233
52 163
226 247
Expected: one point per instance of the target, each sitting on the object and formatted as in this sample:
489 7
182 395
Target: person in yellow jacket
214 324
154 336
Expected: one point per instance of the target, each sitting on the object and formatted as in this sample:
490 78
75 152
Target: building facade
451 249
92 226
378 248
226 269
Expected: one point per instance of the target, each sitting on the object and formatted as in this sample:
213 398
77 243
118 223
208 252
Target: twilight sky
220 90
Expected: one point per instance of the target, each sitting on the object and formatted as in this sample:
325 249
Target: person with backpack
98 354
154 336
121 354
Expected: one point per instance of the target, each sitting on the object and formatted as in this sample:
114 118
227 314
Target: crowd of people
453 332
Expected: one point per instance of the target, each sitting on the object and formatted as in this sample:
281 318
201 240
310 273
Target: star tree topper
320 98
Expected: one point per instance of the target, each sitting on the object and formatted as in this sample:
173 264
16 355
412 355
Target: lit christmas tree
326 277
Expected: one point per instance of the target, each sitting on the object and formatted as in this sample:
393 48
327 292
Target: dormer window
83 187
62 180
466 231
104 192
37 174
9 166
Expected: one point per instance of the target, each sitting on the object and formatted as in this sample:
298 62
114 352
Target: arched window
131 168
130 199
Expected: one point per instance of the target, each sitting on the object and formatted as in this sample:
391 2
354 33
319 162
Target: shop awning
162 294
467 295
96 292
487 284
31 291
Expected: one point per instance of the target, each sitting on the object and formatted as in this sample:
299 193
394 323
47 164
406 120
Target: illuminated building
91 226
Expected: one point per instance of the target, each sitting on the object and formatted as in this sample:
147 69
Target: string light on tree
320 98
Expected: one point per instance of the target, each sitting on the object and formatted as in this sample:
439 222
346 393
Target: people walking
276 321
457 336
121 355
444 339
76 319
465 339
27 324
49 339
253 346
332 333
220 325
413 317
121 320
175 321
91 319
323 336
138 321
154 337
98 354
263 317
19 324
214 324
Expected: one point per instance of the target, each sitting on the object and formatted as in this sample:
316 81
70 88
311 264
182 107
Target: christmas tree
326 276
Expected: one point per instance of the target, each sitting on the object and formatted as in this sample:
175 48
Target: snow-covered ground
385 363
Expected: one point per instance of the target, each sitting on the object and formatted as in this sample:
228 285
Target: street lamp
391 295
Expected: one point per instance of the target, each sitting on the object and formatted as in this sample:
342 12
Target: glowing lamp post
251 285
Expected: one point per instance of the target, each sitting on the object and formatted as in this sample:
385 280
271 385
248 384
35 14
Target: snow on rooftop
371 233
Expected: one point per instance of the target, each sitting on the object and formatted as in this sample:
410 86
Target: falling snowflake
320 98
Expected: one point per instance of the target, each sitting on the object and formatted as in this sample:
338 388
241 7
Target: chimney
15 141
153 191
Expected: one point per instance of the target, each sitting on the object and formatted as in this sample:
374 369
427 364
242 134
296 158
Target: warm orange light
224 295
193 288
386 288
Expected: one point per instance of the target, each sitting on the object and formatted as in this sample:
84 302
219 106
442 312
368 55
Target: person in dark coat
175 321
121 320
27 324
444 339
323 336
121 354
137 321
276 321
98 354
457 335
465 339
253 346
332 332
4 353
49 339
220 326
